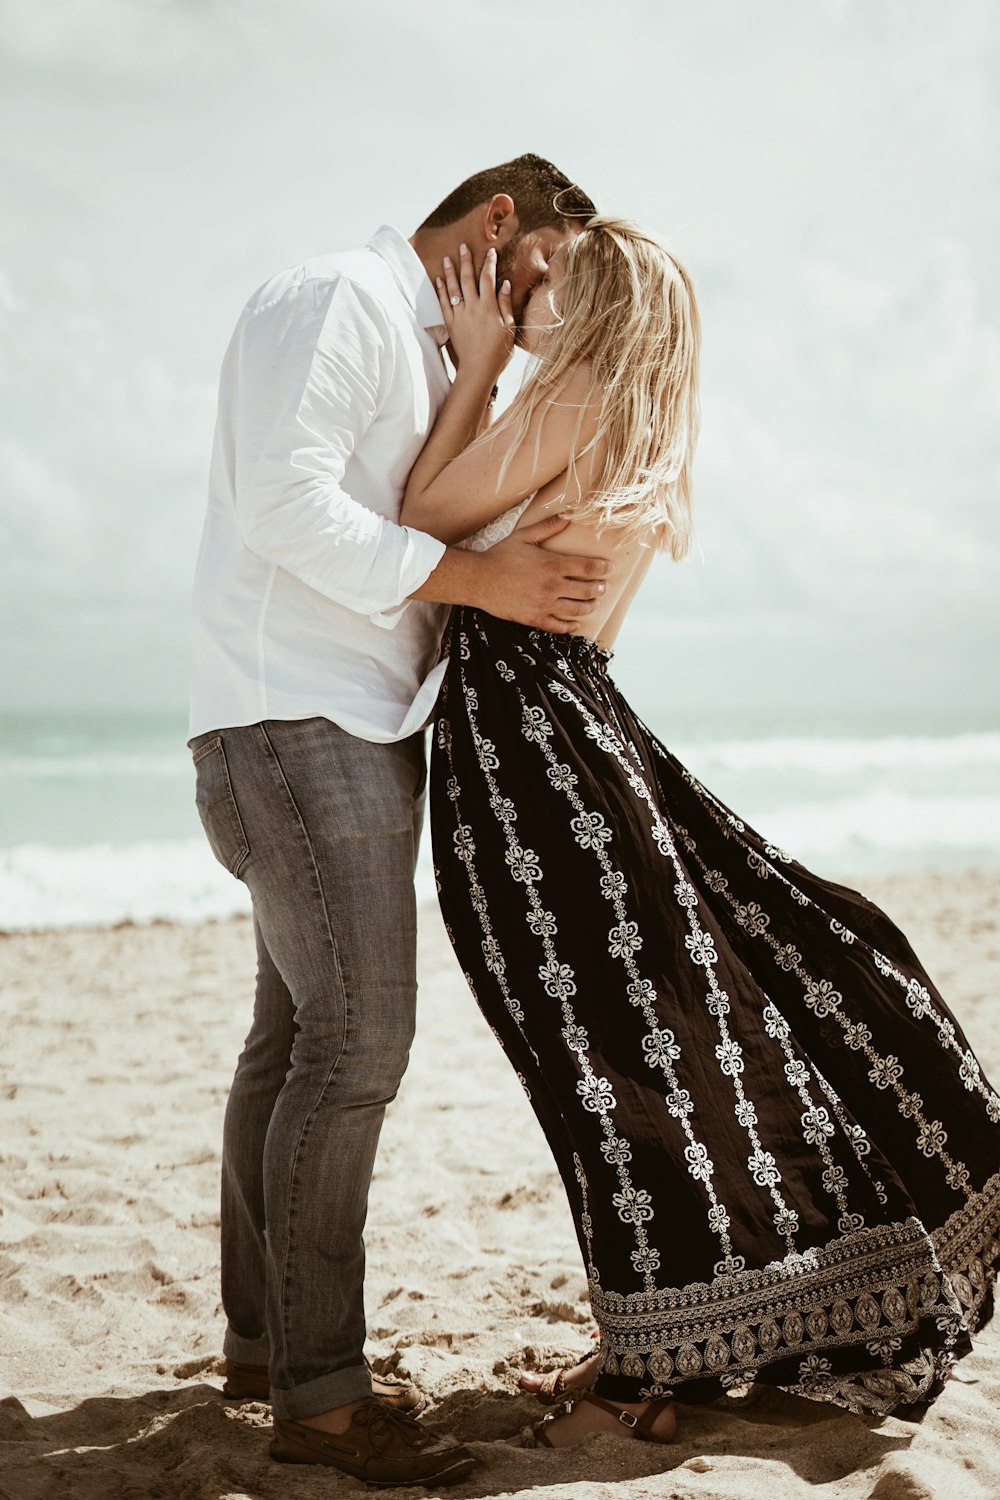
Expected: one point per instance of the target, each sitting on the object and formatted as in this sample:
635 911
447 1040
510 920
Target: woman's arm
455 486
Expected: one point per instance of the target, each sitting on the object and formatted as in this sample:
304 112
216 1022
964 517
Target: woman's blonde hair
627 309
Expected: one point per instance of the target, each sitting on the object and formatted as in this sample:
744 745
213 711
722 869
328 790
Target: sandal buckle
629 1418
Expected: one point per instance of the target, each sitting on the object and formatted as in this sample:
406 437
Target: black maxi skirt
781 1154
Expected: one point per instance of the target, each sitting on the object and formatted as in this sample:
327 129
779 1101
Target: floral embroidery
542 923
590 830
523 864
596 1095
561 777
624 939
660 1048
875 1287
536 727
886 1071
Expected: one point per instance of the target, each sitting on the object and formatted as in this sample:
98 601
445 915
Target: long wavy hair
627 309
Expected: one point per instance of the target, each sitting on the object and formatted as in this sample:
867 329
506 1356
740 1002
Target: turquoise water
97 821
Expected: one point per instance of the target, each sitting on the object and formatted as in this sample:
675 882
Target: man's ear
499 220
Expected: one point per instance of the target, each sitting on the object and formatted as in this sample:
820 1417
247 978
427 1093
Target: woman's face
541 313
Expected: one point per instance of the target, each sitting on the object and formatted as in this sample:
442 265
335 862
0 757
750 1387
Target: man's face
524 260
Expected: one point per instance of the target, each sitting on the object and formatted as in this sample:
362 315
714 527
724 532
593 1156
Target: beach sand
118 1050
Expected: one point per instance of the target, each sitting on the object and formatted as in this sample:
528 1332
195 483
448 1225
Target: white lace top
496 530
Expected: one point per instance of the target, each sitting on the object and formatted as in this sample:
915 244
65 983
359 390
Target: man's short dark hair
541 193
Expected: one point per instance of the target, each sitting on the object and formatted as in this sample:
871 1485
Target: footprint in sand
900 1484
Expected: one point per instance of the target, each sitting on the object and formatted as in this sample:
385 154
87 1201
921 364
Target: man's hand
521 580
548 590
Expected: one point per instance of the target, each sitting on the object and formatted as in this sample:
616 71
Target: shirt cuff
422 555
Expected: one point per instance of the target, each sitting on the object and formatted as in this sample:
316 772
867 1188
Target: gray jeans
323 829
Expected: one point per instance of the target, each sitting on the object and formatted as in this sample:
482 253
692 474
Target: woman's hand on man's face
478 317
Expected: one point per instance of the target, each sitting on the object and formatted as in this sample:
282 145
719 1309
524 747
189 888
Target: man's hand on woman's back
519 579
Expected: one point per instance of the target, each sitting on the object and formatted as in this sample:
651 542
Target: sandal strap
640 1427
555 1387
535 1434
644 1429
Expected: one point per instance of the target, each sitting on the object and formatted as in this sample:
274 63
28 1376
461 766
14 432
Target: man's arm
308 378
519 580
309 375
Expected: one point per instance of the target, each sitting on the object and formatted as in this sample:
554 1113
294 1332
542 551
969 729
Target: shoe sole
449 1473
246 1395
240 1395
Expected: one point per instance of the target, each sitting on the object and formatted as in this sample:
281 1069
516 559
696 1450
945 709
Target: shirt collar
408 269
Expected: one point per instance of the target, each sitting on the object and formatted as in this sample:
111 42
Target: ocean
97 820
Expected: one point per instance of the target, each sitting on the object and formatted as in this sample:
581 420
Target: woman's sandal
535 1435
555 1386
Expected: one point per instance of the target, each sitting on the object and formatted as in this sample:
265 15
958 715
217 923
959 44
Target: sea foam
46 886
107 833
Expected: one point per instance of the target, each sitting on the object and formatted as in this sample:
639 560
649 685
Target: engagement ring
455 301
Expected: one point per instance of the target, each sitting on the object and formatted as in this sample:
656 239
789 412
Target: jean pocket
220 817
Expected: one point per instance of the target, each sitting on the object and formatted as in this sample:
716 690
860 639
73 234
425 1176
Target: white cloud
102 457
821 172
124 41
8 300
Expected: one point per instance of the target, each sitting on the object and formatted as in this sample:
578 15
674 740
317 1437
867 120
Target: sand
118 1050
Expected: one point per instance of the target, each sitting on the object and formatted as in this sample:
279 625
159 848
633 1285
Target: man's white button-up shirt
330 385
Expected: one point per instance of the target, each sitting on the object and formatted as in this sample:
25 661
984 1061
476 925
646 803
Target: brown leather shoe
251 1383
382 1446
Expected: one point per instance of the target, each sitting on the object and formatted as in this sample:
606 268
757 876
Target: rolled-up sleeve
310 370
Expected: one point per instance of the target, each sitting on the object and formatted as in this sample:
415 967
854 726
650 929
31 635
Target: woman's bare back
630 559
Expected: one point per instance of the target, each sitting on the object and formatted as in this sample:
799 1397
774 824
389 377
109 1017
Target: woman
780 1153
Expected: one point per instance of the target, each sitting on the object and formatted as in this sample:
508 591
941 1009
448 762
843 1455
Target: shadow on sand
189 1443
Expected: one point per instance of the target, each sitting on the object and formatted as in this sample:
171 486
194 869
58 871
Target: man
317 622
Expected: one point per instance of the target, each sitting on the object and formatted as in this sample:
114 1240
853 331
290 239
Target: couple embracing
781 1155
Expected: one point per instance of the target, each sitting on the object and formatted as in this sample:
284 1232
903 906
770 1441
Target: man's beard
506 256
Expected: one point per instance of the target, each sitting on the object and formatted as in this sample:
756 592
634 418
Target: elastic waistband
579 649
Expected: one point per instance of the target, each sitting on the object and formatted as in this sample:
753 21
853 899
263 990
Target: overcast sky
828 170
